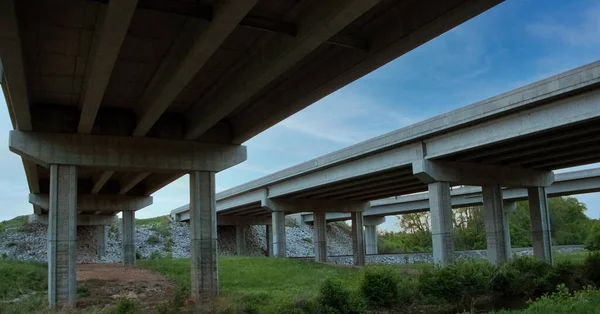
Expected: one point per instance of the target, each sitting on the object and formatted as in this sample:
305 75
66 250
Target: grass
574 257
18 278
152 221
563 302
18 221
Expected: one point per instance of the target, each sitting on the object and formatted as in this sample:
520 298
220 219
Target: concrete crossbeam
442 222
99 202
62 232
320 237
101 181
464 173
325 20
496 225
358 239
297 205
130 180
124 153
540 224
203 247
128 237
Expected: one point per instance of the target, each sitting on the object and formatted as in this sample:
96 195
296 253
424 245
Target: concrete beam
325 20
124 153
130 180
101 181
226 16
243 220
14 82
82 220
103 57
464 173
103 202
297 205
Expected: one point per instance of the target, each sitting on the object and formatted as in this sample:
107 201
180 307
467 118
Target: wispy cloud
584 32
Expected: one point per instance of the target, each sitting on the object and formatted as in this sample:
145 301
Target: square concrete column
508 207
540 224
128 237
101 240
498 249
269 235
62 232
371 224
442 222
278 234
240 240
320 237
358 239
203 248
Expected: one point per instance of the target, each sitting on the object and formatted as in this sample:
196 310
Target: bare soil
102 284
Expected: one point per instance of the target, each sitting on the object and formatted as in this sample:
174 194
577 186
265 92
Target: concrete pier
128 238
241 247
203 249
320 237
101 240
496 225
278 234
269 234
62 231
371 224
540 224
442 220
358 239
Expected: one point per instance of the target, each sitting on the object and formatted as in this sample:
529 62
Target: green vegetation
18 278
152 221
17 222
569 225
563 302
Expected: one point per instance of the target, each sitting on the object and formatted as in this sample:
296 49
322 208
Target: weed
83 291
307 240
125 306
153 240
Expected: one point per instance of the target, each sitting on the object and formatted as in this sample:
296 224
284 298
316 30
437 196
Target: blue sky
513 44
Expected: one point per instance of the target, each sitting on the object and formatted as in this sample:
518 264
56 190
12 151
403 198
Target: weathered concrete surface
320 237
278 234
241 247
496 224
82 220
442 221
62 228
128 231
371 233
540 224
358 239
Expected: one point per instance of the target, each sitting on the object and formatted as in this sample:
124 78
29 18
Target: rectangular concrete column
540 224
508 208
269 235
278 234
203 248
240 240
358 238
62 231
101 240
371 239
320 237
442 222
498 249
128 237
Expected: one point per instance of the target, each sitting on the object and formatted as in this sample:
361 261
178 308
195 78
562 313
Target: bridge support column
128 237
203 248
101 240
358 239
320 236
496 225
269 234
371 224
278 234
240 240
62 230
540 224
442 220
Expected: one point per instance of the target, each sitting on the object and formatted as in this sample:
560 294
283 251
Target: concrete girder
102 59
101 181
297 205
243 220
429 171
255 196
124 153
99 202
324 21
175 74
130 180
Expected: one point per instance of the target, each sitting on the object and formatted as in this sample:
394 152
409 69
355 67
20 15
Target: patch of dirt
102 284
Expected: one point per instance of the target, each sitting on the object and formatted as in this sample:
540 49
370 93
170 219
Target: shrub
334 298
138 255
153 240
380 286
155 255
524 276
125 306
592 243
83 291
591 267
569 274
161 229
463 282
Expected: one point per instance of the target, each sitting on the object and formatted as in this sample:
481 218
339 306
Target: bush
524 276
462 282
380 286
125 306
153 240
591 267
592 242
334 298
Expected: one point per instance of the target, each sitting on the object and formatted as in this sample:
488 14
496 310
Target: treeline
569 225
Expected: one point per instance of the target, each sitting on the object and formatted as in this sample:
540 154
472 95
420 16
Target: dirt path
101 284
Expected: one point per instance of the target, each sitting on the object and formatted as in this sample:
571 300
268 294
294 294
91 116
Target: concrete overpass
119 98
515 139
